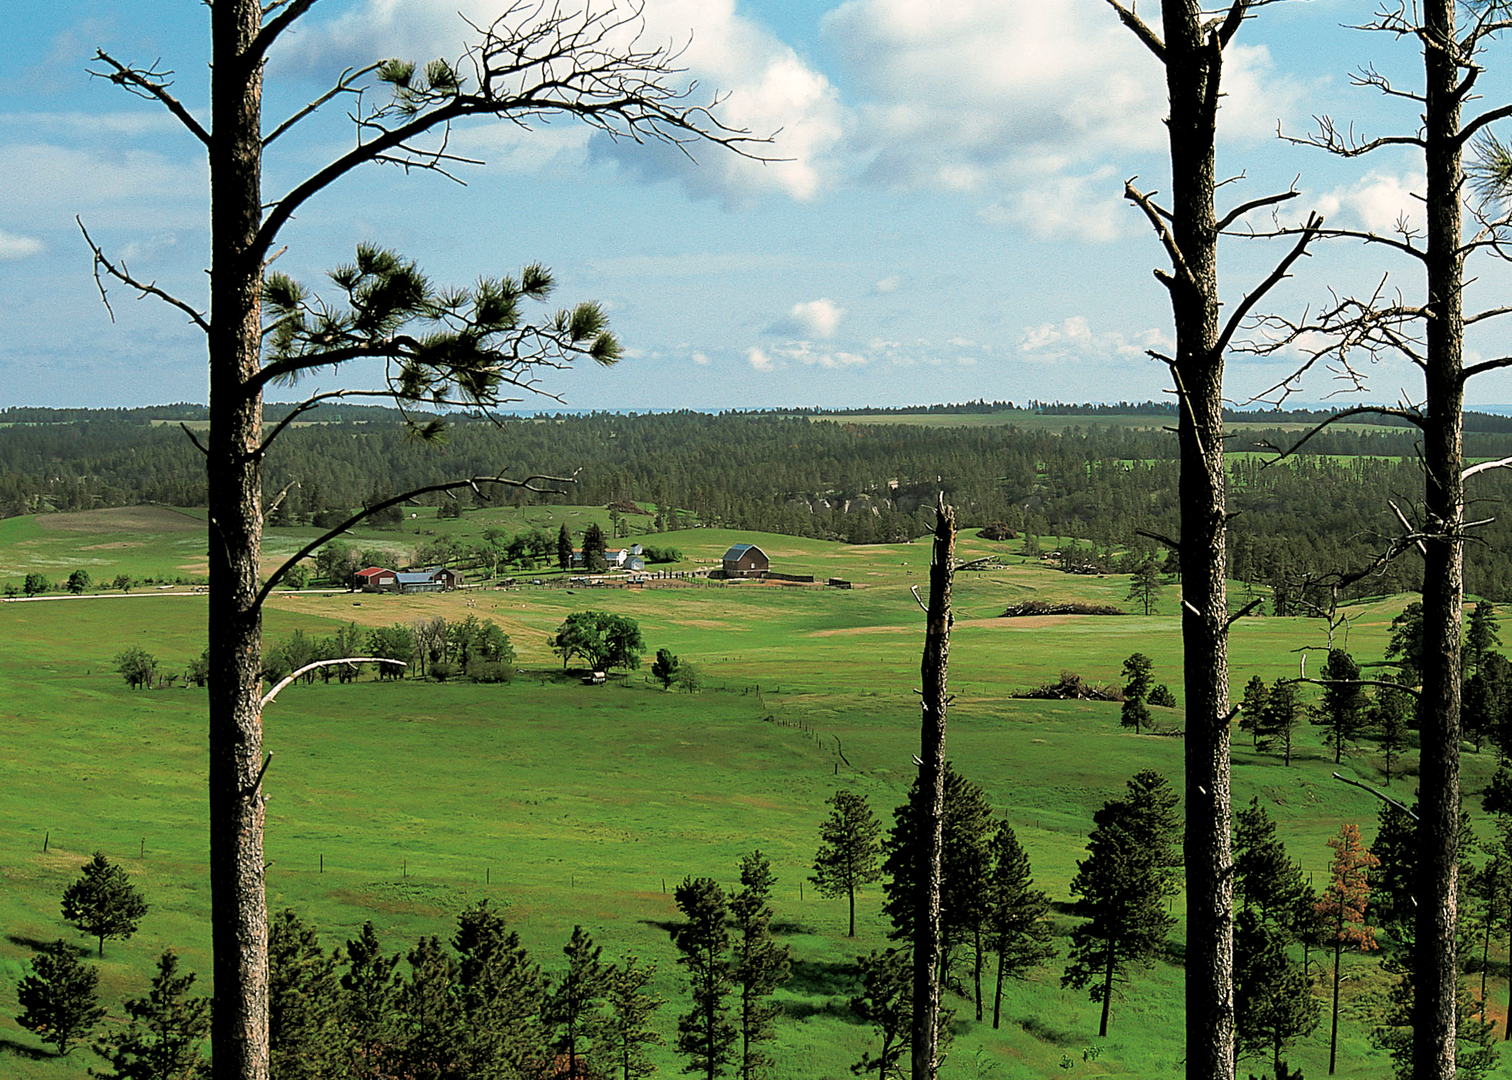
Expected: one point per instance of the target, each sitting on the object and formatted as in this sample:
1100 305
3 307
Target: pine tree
1480 633
501 992
1389 714
625 1031
965 826
1341 912
1273 1000
163 1033
429 1015
704 1033
58 998
1136 670
1015 915
1394 881
886 1002
1252 708
1121 889
1475 1039
1144 583
305 1032
593 549
1265 879
572 1008
761 965
103 903
564 548
847 855
1280 718
369 995
1342 708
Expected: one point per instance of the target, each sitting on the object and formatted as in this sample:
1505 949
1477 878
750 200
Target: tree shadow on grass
10 1046
666 926
824 978
38 945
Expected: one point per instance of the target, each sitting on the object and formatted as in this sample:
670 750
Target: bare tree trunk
926 979
1194 60
238 911
1435 965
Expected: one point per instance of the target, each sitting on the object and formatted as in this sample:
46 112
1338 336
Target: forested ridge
1324 510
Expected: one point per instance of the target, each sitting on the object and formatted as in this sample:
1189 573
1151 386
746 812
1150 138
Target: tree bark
1107 1001
1194 58
239 1032
926 979
1435 963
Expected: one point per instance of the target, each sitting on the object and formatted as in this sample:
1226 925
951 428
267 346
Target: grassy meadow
404 802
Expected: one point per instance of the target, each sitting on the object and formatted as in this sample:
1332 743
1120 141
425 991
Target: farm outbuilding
745 561
376 579
432 580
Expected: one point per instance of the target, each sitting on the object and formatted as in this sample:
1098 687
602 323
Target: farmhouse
376 579
434 579
745 561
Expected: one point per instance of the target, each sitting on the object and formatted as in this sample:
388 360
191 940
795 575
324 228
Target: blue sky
946 223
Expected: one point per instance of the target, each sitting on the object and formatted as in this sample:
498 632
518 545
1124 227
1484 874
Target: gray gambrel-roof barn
746 560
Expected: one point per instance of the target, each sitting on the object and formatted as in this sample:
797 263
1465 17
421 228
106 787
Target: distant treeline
1326 509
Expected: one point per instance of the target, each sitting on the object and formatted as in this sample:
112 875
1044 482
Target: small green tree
1389 715
1016 928
704 1033
1144 584
429 1016
104 903
886 1002
137 666
1273 1000
1137 673
564 548
572 1008
1280 719
122 582
594 547
35 584
1252 708
619 1048
305 1032
502 996
78 581
603 639
761 965
369 989
1122 887
162 1038
689 676
1481 633
664 668
848 848
1342 707
58 998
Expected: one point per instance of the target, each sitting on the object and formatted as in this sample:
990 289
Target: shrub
441 670
1162 696
490 671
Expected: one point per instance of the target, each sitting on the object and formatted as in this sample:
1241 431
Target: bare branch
145 288
152 84
1279 274
194 439
292 10
1378 794
344 85
1158 221
1141 30
1232 21
1485 466
1254 204
315 665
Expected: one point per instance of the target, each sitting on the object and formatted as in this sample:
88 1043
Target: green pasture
404 802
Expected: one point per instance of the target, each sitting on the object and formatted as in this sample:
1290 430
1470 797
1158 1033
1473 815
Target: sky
940 217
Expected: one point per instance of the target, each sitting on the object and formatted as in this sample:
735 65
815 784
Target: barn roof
735 552
373 571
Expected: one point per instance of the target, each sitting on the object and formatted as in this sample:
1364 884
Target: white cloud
763 85
759 360
889 284
1377 202
48 184
701 359
1074 338
1023 102
820 318
14 247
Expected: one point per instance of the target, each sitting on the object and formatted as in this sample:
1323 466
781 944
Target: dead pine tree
924 1039
1190 46
1428 334
471 347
